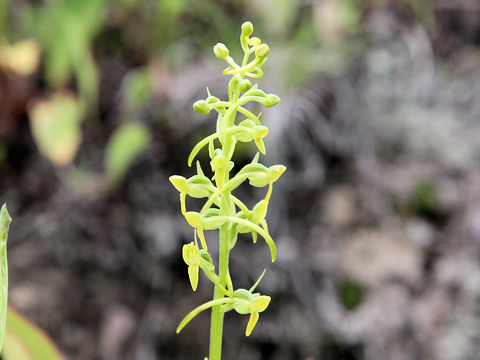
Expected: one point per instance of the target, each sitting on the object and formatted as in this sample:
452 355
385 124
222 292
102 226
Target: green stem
216 326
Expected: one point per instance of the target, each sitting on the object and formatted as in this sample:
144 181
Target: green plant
66 30
19 338
222 210
125 144
24 340
5 221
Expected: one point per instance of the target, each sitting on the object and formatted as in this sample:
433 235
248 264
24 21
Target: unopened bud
247 28
220 51
262 51
254 41
212 100
245 85
271 100
202 107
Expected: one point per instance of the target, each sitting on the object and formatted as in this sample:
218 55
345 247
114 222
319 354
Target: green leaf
137 88
25 341
127 142
66 30
5 221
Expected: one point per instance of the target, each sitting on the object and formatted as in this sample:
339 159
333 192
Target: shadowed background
377 218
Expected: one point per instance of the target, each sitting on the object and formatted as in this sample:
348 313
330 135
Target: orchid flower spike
222 211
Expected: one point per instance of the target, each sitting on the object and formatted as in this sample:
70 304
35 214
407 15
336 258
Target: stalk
216 324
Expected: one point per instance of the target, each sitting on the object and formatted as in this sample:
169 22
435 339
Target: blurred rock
420 232
374 257
117 327
339 208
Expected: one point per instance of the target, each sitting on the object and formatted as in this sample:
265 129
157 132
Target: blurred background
377 219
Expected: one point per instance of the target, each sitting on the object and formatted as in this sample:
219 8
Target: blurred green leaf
172 8
66 29
424 197
25 341
55 124
126 143
137 88
351 294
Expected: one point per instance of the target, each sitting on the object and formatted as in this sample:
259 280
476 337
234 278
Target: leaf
66 30
24 340
126 143
15 348
136 88
55 124
5 221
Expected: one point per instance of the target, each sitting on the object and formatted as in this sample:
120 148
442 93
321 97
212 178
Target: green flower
191 256
247 303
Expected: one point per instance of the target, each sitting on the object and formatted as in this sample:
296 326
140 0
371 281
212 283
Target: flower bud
245 85
212 100
262 50
247 28
271 100
220 51
202 107
254 41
